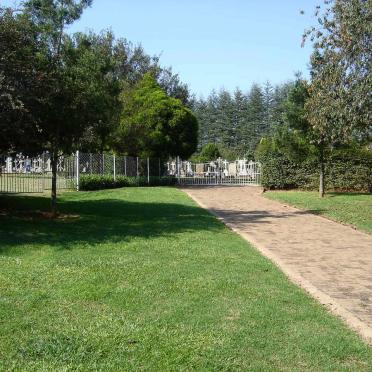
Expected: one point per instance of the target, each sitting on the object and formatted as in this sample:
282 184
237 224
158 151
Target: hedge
344 171
99 182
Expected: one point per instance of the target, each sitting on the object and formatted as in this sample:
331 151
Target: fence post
148 171
178 166
125 165
114 168
43 169
159 168
137 167
77 171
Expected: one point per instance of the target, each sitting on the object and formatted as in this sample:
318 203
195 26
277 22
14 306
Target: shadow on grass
98 221
110 220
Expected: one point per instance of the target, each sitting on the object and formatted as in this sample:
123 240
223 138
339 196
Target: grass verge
348 208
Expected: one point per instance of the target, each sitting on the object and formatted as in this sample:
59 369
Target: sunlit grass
143 279
348 208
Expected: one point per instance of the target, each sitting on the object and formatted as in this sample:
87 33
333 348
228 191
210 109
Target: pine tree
237 122
240 115
255 116
225 113
268 99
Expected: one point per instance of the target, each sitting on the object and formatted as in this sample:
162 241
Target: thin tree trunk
54 160
321 173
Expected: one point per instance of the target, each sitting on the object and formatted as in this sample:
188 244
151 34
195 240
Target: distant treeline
236 122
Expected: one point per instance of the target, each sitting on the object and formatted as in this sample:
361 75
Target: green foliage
229 153
340 102
297 138
238 121
216 151
101 54
21 82
100 182
154 124
346 169
61 92
209 152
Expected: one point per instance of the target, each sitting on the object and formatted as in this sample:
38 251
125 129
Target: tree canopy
62 92
341 78
236 122
153 124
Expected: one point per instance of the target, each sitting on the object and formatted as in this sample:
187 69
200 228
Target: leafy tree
64 111
173 86
303 140
120 66
100 53
19 81
154 124
209 152
340 101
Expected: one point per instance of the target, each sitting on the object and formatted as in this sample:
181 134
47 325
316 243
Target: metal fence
107 164
217 172
24 174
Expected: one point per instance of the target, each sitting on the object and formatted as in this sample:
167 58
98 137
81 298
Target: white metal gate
218 172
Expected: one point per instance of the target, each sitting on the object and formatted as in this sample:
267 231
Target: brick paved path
331 261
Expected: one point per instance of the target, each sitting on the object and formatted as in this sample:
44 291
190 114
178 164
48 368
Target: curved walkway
331 261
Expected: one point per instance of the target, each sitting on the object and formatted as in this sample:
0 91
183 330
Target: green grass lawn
143 279
348 208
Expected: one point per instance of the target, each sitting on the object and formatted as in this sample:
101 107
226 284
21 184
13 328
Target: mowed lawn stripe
142 278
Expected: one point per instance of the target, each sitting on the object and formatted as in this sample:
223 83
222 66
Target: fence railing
24 174
216 172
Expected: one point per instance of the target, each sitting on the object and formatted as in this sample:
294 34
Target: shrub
100 182
346 170
209 152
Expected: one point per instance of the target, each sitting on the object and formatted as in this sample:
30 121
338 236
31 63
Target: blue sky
212 43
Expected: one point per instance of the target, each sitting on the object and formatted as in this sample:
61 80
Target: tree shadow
107 220
259 216
95 222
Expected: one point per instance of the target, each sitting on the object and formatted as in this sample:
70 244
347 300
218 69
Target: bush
209 152
345 170
100 182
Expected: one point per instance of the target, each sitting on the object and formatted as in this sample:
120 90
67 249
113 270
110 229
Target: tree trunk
321 174
54 161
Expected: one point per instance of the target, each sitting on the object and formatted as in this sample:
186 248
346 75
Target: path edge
333 306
